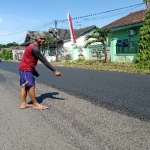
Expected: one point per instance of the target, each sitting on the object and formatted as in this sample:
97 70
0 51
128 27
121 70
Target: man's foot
26 106
39 106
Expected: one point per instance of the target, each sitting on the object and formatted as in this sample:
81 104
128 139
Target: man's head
39 37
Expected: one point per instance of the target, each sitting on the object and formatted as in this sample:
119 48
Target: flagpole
73 37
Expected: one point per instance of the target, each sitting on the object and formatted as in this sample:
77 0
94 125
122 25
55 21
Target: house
64 42
125 36
81 33
17 52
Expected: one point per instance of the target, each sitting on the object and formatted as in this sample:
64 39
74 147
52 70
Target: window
126 47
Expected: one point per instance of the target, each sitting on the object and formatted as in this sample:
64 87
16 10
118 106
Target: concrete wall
88 53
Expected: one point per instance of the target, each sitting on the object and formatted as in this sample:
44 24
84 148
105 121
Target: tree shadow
47 95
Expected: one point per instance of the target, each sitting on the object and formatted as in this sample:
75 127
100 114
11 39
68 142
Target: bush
68 57
6 55
80 59
143 57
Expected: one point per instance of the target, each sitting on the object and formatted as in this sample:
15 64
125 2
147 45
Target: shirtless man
27 71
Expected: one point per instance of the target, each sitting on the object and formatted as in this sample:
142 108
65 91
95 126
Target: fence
92 52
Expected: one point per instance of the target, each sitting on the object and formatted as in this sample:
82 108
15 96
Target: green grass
111 66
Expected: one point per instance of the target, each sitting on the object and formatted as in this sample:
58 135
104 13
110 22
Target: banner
73 37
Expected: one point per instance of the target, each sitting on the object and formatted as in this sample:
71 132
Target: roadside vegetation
143 57
111 66
5 55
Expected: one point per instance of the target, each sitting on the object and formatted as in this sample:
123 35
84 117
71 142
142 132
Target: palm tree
99 35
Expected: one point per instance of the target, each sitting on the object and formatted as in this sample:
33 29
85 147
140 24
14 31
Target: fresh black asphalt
123 92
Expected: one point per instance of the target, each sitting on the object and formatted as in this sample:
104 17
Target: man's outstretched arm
37 54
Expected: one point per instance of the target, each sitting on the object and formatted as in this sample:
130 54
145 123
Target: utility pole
56 45
148 4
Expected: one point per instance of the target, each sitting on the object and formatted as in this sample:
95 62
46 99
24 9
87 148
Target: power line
103 12
76 18
104 17
101 17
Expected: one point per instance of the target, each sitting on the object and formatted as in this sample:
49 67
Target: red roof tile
132 18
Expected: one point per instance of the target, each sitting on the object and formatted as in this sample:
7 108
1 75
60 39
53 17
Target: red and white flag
73 36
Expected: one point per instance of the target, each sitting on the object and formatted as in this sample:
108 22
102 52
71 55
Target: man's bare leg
23 98
31 91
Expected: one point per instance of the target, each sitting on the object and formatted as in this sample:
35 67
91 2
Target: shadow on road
47 95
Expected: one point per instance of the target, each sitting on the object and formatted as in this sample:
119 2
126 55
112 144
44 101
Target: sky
19 16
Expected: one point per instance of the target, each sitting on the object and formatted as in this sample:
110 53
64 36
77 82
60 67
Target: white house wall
17 54
67 45
66 48
81 41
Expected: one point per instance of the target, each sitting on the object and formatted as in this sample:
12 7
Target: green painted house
125 36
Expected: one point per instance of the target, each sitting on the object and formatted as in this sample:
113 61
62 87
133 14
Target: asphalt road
123 92
70 123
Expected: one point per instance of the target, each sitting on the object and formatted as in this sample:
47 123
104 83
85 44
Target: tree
143 57
99 35
8 45
48 42
12 44
6 55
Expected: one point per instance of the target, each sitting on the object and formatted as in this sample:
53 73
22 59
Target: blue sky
18 16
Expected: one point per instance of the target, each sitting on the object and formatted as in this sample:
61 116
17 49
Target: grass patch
111 66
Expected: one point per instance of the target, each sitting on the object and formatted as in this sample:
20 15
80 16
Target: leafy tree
8 45
12 44
2 46
48 42
99 35
143 57
7 54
